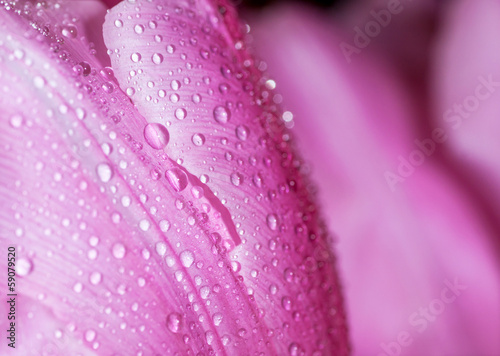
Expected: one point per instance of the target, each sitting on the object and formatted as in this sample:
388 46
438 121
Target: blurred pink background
411 218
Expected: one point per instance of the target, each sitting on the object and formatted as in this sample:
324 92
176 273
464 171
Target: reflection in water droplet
221 114
177 178
156 135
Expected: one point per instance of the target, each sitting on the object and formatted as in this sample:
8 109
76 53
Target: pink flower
419 254
156 205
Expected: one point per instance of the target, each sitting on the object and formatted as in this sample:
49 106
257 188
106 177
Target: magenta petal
184 67
397 247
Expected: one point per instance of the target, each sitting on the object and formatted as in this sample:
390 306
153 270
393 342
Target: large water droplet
177 179
221 114
156 135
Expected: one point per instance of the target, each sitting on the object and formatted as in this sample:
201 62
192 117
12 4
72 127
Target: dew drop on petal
242 132
177 179
135 57
139 29
156 135
118 250
272 221
236 179
104 172
221 114
187 258
95 278
180 113
174 322
157 58
23 267
198 139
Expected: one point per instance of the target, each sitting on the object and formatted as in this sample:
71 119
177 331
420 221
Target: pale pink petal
397 248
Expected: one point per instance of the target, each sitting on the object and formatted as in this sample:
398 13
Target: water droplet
170 49
16 121
174 322
221 114
90 335
177 179
272 221
161 248
187 258
198 139
118 23
236 179
95 278
180 113
242 132
144 225
175 85
139 29
135 57
156 135
119 250
23 267
104 172
217 318
196 98
164 225
157 58
69 31
286 303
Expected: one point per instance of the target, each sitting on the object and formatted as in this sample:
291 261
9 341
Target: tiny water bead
177 178
221 114
156 135
272 221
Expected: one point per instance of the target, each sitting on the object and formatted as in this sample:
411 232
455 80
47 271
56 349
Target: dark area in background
263 3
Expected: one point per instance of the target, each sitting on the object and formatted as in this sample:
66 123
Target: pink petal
185 66
123 246
397 248
466 86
